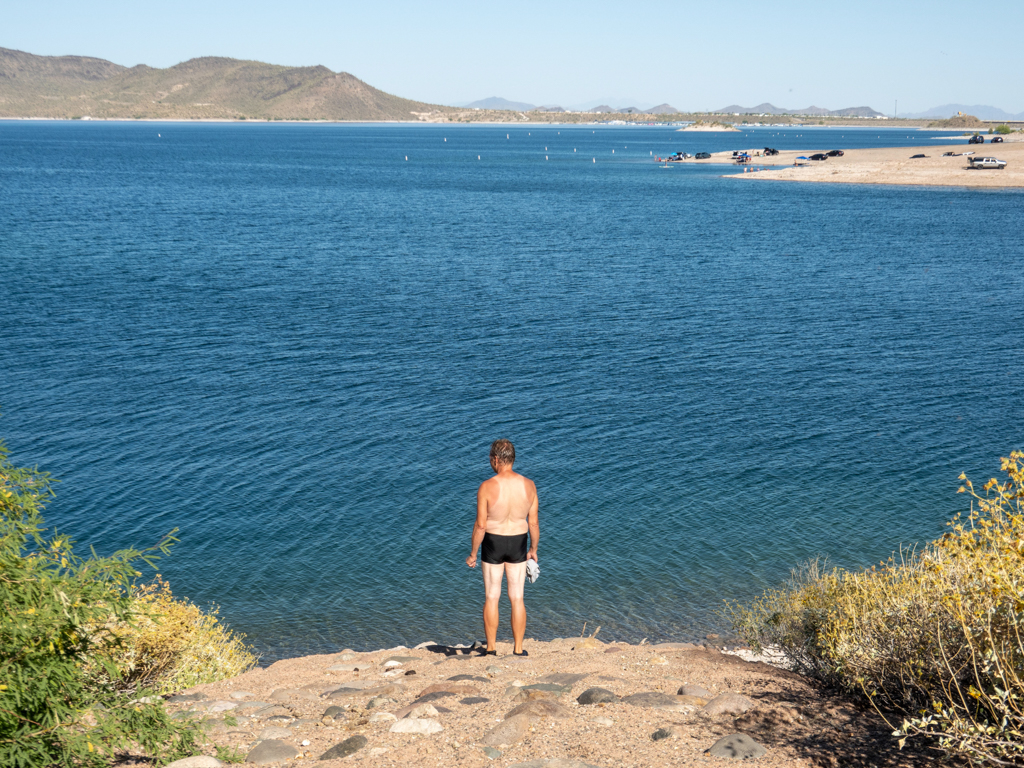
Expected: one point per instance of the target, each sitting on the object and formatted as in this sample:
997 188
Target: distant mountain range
771 109
496 102
980 111
78 86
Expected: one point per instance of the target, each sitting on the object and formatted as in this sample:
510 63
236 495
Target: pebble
270 751
737 746
660 661
305 743
689 689
392 663
423 726
492 753
348 656
382 717
588 643
275 732
564 679
379 701
335 711
178 698
669 732
474 700
422 710
493 669
601 720
240 694
196 761
345 748
728 703
539 708
377 751
597 696
222 706
473 678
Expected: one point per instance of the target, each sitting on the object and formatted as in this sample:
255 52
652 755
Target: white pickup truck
987 162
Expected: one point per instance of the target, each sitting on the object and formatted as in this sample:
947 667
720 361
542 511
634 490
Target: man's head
503 453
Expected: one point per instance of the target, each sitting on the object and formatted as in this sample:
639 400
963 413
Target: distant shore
889 165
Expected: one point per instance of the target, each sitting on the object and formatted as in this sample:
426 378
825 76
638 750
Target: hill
210 87
771 109
496 102
981 111
960 121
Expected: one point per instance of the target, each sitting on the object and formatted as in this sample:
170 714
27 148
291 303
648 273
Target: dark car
836 153
997 139
976 139
703 156
768 151
819 156
914 157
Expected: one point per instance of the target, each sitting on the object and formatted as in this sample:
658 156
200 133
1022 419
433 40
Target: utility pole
896 109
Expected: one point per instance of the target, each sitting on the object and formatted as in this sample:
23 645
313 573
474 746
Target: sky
695 56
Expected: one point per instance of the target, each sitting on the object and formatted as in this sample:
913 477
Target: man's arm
534 524
480 526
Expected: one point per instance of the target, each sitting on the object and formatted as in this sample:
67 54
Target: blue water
296 346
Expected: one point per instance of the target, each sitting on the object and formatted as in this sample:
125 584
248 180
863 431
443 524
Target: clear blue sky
793 53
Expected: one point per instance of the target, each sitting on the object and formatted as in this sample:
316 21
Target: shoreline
888 165
572 699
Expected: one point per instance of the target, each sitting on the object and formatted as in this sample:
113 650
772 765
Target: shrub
56 610
1003 129
171 644
933 636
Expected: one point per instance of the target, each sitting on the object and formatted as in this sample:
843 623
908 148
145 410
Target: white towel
532 571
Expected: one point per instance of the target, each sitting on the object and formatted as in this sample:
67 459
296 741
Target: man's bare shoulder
528 484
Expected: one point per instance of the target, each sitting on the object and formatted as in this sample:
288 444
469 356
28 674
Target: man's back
509 497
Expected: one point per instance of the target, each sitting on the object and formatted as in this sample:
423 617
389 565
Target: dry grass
931 636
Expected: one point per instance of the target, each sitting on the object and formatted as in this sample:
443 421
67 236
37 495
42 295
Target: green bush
1003 129
56 612
933 636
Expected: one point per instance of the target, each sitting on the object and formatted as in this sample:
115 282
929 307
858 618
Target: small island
701 125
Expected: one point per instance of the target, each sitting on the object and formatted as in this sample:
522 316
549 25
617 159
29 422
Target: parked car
987 162
914 157
976 139
768 151
703 156
997 139
819 156
835 153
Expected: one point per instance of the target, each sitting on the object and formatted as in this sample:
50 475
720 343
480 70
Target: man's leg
516 574
492 593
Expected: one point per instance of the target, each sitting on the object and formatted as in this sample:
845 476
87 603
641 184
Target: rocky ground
571 703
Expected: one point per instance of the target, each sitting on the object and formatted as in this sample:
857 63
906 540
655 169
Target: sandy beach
573 703
889 166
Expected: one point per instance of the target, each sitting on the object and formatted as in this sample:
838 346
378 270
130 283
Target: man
506 508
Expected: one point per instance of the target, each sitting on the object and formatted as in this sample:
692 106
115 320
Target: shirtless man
506 507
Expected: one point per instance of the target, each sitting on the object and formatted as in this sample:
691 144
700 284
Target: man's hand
532 555
471 560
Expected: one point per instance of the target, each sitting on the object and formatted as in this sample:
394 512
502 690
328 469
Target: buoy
574 149
158 135
595 159
478 157
506 135
407 158
446 140
545 157
652 153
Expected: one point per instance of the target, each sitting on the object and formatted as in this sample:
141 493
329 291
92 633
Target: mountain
496 102
601 108
210 87
771 109
980 111
549 108
663 109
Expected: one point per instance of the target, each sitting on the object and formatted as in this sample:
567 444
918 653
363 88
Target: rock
421 726
287 694
534 695
564 679
597 696
683 708
511 730
410 671
280 719
474 678
613 649
539 708
434 696
273 710
346 667
240 694
493 669
305 743
660 661
221 706
737 746
349 746
275 732
649 699
302 722
380 690
492 753
399 660
588 643
424 645
554 688
357 684
465 690
348 656
728 703
693 701
247 706
513 690
184 715
665 733
382 717
600 720
270 751
675 647
422 710
179 698
379 701
474 700
334 712
557 762
695 690
196 761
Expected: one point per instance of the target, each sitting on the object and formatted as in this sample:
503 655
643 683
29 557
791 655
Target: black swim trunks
504 549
